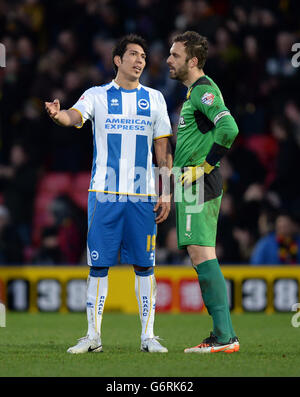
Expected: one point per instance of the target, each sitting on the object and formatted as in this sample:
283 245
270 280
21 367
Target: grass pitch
34 345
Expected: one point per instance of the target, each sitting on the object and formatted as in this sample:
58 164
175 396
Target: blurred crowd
57 49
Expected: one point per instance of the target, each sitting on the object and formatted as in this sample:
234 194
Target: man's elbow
235 130
227 131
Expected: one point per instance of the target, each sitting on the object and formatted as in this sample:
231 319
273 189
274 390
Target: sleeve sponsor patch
208 98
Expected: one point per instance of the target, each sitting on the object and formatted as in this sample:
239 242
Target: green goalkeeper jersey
204 120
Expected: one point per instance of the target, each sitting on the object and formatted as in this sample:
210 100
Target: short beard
181 74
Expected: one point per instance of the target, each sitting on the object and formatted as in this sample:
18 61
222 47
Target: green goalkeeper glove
192 174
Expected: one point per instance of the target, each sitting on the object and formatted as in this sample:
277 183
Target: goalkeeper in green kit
206 131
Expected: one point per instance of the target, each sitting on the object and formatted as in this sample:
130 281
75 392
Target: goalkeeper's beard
181 74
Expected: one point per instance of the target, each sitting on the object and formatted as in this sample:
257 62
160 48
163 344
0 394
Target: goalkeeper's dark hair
121 46
195 46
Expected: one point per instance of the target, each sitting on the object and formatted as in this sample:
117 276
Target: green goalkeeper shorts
197 223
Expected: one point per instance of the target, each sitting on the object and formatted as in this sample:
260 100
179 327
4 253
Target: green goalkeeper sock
214 294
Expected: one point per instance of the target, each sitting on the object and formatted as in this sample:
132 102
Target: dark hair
286 213
121 46
195 45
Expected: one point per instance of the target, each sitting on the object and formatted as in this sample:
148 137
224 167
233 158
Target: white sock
97 288
145 290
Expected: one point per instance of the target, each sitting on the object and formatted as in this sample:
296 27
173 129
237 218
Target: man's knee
96 271
199 253
143 270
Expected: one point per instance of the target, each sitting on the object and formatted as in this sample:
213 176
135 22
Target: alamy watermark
295 321
2 56
141 184
296 57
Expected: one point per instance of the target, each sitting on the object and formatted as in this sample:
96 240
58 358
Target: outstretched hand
53 109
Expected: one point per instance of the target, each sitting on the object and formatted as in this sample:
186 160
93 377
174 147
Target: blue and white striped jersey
125 124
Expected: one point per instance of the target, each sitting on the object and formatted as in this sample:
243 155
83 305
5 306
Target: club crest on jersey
143 104
208 98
